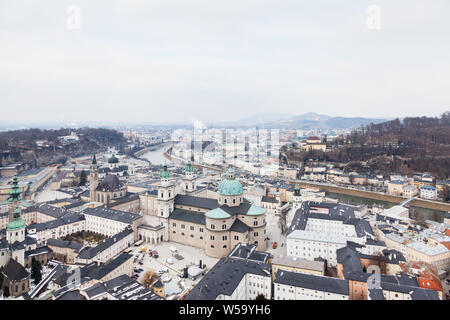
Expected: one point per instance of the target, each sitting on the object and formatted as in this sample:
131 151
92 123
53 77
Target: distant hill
307 121
312 120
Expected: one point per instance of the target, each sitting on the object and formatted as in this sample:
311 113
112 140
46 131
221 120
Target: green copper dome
16 223
217 213
189 168
165 173
229 186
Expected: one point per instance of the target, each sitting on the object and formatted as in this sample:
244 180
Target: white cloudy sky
179 60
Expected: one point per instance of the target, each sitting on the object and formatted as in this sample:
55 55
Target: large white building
243 275
289 285
428 192
318 230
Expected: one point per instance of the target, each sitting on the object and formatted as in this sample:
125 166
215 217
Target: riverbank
422 203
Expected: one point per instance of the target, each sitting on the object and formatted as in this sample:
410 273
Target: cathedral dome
229 186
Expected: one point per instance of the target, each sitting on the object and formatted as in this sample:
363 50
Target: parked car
447 281
140 263
154 254
275 244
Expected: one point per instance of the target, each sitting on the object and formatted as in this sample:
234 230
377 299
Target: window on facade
200 229
211 237
224 226
224 238
213 226
182 226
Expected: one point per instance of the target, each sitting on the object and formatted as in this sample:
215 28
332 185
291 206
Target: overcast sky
180 60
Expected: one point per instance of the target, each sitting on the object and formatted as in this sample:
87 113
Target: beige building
297 265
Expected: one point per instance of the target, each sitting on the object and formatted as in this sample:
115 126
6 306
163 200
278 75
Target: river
429 214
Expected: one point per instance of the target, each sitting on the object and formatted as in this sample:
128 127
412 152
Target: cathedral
215 225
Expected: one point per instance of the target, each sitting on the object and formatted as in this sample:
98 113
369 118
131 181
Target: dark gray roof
110 183
111 265
239 226
117 282
129 197
313 282
52 224
240 209
14 271
112 214
224 277
269 199
375 294
188 216
65 244
193 201
337 212
95 290
71 295
55 212
249 252
91 252
38 251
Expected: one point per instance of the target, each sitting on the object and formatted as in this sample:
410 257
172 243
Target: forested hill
420 144
37 147
415 144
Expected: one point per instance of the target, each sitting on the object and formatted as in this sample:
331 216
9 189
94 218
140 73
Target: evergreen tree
260 297
6 293
36 271
83 178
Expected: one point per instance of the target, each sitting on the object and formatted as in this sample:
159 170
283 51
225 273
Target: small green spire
189 167
94 160
14 193
165 173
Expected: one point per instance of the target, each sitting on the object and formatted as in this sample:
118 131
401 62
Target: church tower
15 232
93 179
189 179
14 198
166 195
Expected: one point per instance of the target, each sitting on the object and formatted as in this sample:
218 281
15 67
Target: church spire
14 193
